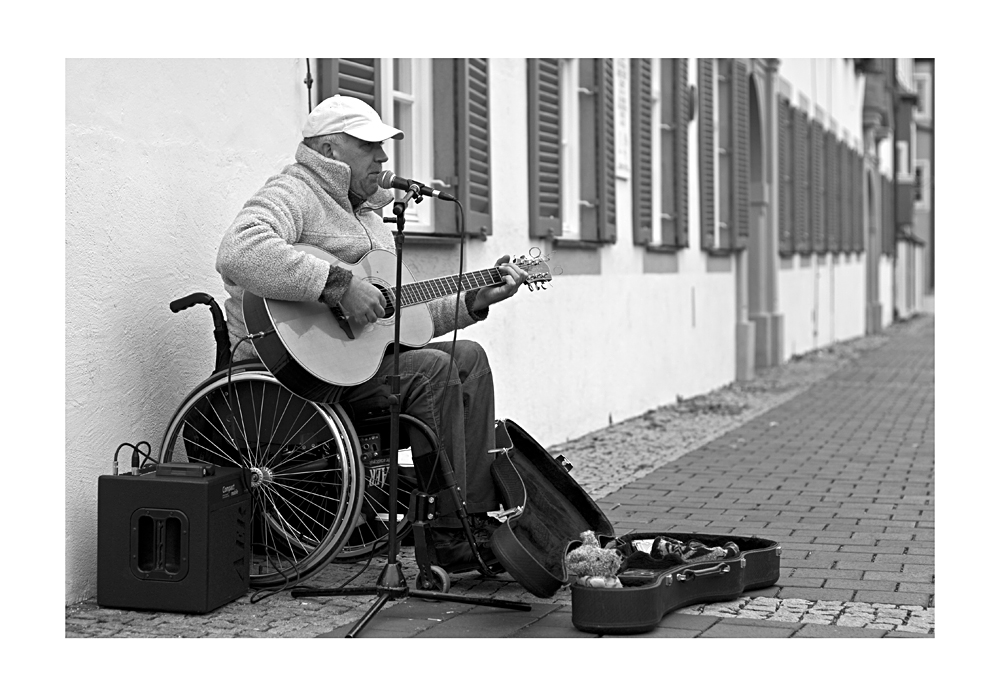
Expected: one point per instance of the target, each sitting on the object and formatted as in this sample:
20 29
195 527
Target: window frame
419 162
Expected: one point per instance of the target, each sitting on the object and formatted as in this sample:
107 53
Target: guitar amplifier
173 540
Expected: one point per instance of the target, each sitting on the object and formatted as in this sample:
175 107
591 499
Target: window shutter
888 221
473 101
642 150
544 139
741 162
816 187
683 107
352 77
859 226
850 243
832 203
461 142
597 149
843 232
706 151
608 201
785 242
800 154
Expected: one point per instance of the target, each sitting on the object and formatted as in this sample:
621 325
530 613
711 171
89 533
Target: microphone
389 180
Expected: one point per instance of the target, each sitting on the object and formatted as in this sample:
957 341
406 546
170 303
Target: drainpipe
895 194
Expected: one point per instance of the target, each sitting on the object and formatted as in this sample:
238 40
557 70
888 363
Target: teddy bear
592 565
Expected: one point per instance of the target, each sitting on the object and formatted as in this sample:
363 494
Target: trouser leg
456 401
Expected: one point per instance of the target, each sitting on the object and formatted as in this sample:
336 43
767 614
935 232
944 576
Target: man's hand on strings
513 277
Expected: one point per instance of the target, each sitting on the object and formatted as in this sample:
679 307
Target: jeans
456 401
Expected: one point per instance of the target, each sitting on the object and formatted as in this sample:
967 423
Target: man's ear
327 149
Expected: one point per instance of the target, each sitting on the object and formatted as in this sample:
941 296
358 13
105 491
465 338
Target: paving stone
893 597
729 629
838 631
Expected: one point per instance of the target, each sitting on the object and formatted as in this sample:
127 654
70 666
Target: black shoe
453 550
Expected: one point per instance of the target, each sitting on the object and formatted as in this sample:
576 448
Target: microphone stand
391 585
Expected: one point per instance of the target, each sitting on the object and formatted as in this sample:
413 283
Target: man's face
364 158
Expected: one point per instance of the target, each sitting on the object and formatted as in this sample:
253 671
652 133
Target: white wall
160 155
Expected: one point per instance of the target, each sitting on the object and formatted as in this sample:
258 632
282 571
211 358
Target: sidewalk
833 458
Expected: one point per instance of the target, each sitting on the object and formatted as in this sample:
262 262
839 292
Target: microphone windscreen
385 178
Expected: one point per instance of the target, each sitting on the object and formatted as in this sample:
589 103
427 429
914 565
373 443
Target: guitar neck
427 290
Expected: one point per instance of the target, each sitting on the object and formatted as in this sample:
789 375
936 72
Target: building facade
705 218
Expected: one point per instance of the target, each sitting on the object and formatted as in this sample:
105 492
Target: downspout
895 194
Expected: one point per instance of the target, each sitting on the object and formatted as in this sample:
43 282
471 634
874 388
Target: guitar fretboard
427 290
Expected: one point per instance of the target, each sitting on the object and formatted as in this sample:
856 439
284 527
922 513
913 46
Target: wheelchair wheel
371 533
305 479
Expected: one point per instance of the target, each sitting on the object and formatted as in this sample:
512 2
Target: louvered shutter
785 195
606 127
461 142
859 229
642 150
844 230
706 151
888 220
741 162
352 77
801 161
816 186
683 107
544 147
668 125
850 242
832 204
597 150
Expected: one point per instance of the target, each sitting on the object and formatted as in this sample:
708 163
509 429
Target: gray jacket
307 203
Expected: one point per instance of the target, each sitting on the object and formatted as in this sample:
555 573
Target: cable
137 467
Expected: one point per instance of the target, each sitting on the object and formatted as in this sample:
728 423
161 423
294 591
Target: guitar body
313 352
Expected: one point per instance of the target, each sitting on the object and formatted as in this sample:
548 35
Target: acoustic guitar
314 350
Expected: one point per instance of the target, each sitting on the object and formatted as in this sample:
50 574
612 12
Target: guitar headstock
538 270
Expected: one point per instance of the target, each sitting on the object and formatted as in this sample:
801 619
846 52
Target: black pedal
174 540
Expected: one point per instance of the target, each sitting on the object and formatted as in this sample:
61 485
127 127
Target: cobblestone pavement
830 454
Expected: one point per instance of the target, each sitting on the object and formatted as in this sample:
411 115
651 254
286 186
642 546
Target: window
786 223
571 149
921 185
922 83
846 201
443 107
406 85
888 217
659 152
817 173
832 203
803 199
724 154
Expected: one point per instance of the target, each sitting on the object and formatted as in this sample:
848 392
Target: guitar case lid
551 510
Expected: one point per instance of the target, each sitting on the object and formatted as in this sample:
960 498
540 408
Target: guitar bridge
345 325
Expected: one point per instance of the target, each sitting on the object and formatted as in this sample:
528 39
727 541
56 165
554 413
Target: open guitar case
547 511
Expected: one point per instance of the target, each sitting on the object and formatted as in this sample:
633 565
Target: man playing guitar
329 198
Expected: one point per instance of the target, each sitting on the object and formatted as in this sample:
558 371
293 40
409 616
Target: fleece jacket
307 203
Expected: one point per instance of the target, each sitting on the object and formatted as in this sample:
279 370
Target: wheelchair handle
223 351
191 300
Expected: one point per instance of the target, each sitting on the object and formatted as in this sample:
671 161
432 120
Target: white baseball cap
340 114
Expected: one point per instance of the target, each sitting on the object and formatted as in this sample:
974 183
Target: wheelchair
317 472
